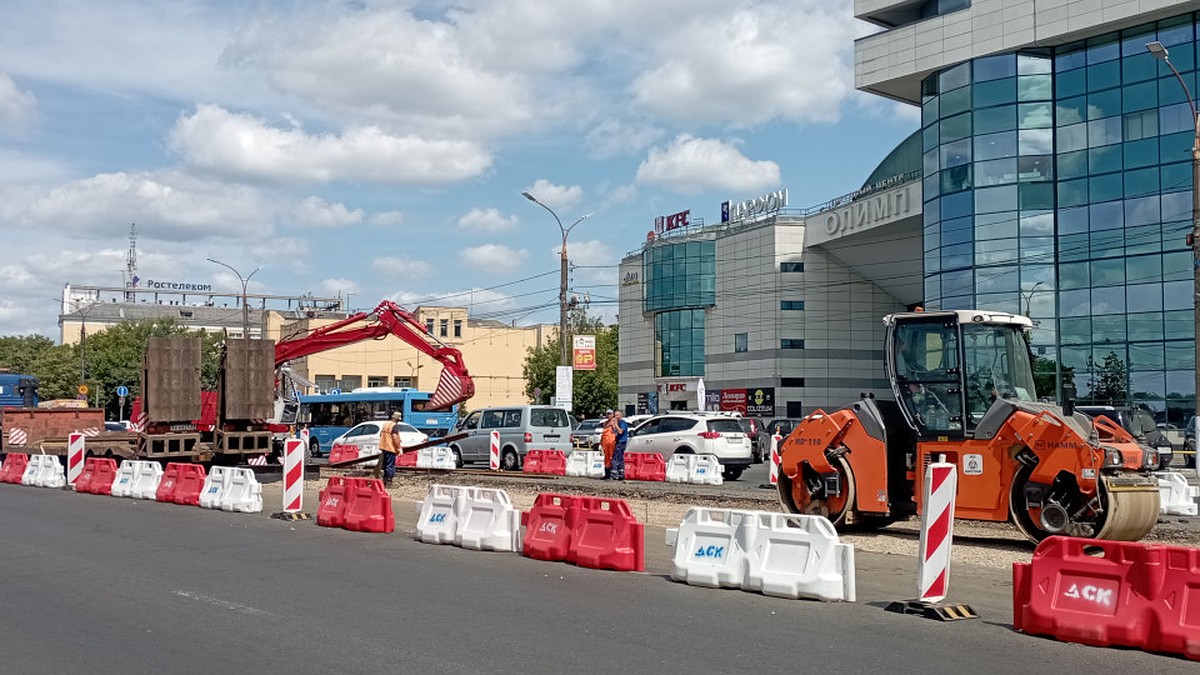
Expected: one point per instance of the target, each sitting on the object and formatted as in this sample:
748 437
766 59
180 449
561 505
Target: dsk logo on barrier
1100 596
710 552
332 501
552 528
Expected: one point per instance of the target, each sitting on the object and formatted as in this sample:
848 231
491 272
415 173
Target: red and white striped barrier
494 451
75 454
305 435
138 423
776 439
937 529
293 476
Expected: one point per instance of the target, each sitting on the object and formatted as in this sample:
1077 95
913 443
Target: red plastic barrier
370 508
83 484
190 485
1107 593
342 453
104 473
545 462
548 527
645 466
407 460
333 502
170 480
606 536
14 467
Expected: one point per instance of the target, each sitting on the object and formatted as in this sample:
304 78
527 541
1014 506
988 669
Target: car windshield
403 428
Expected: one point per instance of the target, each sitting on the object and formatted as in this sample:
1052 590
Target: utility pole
245 308
564 355
1193 238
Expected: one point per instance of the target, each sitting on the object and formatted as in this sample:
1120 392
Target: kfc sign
676 386
671 222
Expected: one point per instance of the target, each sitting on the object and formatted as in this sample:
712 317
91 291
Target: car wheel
458 463
509 460
733 472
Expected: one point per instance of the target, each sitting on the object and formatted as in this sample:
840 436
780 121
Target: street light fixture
245 282
1193 238
564 359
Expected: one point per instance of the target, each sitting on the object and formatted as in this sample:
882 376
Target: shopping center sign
759 206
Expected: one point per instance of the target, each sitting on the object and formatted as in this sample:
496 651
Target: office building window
680 276
791 382
350 382
791 305
741 342
429 326
791 343
444 328
791 267
679 343
376 380
402 382
325 382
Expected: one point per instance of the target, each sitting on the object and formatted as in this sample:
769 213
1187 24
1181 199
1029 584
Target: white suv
695 434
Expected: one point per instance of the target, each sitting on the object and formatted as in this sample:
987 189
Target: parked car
780 425
586 436
634 420
365 437
522 428
1138 422
698 434
751 426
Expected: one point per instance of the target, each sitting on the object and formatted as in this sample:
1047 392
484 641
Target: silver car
586 436
699 434
521 427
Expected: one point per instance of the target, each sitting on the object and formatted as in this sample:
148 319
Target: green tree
57 371
1109 383
18 354
594 390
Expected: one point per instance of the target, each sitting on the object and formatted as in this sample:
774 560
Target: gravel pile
662 504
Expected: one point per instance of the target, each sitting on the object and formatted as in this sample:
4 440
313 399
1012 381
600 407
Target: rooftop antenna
131 277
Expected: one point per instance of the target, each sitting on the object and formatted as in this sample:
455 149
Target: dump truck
963 389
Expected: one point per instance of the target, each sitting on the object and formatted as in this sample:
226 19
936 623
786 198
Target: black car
780 425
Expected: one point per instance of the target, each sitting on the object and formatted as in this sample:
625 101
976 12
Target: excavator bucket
453 387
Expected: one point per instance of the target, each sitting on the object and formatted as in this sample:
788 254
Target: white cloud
316 212
227 143
691 165
19 167
486 220
555 196
18 109
387 218
337 286
494 258
763 61
398 266
613 137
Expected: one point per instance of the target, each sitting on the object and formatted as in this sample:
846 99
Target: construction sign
585 352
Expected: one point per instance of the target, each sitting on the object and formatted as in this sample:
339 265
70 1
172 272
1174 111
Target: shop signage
671 222
759 206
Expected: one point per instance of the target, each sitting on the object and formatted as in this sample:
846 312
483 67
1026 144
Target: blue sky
380 148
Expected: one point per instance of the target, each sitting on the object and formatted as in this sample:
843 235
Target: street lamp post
245 282
1160 52
564 358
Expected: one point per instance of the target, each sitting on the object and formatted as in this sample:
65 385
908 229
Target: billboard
585 352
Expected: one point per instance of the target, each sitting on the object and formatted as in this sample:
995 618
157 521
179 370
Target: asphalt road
104 585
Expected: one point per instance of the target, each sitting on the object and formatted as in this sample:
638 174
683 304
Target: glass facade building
680 281
1057 183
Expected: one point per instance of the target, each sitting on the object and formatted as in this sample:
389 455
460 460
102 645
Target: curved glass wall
1058 185
680 275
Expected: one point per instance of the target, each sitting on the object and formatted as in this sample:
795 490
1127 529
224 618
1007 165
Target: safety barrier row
782 555
1108 593
586 464
234 489
13 467
356 504
137 479
475 518
1176 496
587 531
545 462
698 469
44 471
645 466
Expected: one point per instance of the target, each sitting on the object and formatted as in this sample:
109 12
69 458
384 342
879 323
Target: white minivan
522 428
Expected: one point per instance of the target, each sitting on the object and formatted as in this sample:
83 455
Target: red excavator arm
455 384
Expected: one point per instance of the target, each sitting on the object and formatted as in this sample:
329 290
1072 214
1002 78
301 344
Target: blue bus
328 416
18 391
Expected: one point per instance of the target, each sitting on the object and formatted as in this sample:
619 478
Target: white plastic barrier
1177 496
489 522
146 477
215 486
440 514
708 471
436 458
44 471
242 492
698 469
783 555
586 464
123 482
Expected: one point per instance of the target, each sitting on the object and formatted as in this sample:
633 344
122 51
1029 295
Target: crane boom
455 384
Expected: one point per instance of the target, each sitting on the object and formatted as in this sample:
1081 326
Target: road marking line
223 604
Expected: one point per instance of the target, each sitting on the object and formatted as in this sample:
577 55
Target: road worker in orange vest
389 446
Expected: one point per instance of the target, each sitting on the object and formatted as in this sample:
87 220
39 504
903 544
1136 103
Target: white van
522 428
